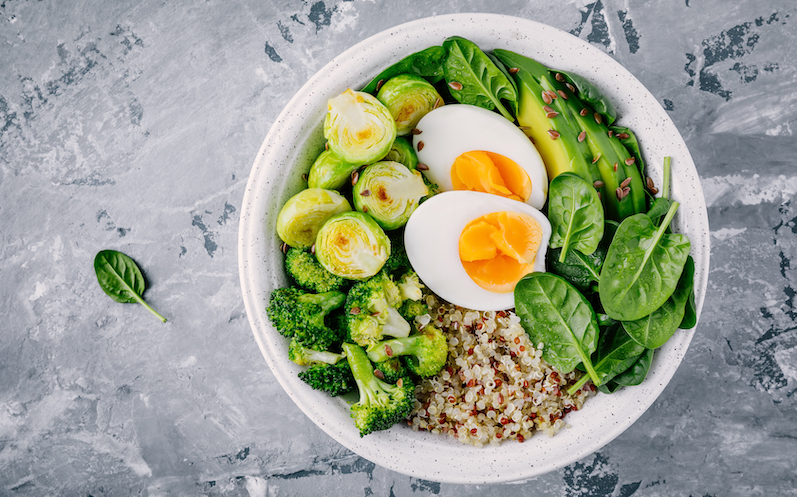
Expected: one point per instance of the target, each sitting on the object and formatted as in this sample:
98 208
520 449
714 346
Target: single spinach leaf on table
616 352
642 267
653 330
576 214
552 311
121 278
474 79
427 63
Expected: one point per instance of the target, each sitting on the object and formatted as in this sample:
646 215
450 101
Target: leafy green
658 208
482 83
427 63
632 376
591 94
580 270
642 267
501 67
617 352
576 214
631 143
121 278
690 309
552 311
653 330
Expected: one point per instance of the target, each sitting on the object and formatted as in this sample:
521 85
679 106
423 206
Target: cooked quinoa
495 385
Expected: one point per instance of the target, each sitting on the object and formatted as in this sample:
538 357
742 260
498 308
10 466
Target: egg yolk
498 249
490 173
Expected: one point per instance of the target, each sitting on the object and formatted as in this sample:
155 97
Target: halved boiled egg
471 248
466 147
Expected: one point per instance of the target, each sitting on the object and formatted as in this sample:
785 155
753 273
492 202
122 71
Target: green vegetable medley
619 281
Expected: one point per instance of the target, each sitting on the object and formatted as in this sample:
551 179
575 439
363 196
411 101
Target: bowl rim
412 454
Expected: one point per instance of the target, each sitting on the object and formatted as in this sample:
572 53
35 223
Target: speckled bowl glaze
296 138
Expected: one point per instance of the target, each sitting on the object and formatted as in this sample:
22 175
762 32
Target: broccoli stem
363 371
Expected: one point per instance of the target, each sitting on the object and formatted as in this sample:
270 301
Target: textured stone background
133 125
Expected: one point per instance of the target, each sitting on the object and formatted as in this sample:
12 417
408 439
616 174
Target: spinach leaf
552 311
590 94
653 330
474 78
580 270
629 140
658 209
637 372
427 63
616 353
690 310
610 387
120 277
576 214
501 67
642 267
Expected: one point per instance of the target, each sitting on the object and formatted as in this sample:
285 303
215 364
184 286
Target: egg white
431 238
451 130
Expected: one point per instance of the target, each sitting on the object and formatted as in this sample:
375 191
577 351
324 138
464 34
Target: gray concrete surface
133 125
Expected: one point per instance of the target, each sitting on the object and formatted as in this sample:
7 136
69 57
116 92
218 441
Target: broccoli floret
390 370
426 352
334 379
338 323
300 315
398 262
309 274
381 404
371 311
410 286
411 309
304 356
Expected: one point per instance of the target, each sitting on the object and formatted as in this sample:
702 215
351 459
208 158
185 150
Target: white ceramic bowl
296 138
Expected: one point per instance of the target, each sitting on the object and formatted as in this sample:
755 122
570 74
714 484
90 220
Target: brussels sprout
389 192
402 151
303 214
330 171
409 98
351 245
359 129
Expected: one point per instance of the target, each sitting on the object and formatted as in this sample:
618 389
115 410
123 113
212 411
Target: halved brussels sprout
402 151
329 171
351 245
389 192
409 98
303 214
358 127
